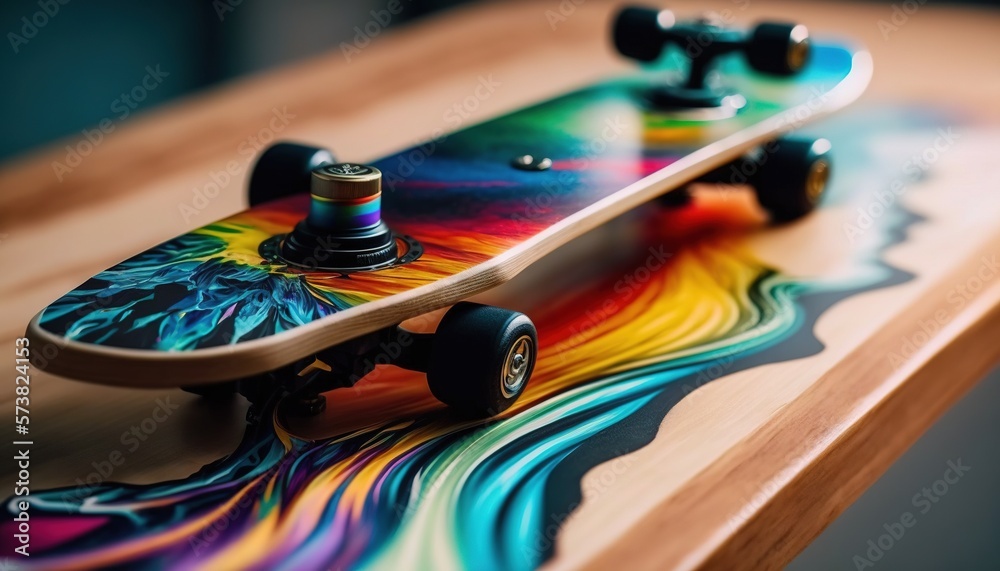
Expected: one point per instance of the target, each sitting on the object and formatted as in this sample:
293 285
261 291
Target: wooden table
813 453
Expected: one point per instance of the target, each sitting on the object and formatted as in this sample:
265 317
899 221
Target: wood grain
746 470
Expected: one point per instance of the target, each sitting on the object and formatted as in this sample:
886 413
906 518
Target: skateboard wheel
778 48
481 358
792 177
638 32
285 169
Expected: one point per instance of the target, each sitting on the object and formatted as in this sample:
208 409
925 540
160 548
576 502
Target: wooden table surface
128 195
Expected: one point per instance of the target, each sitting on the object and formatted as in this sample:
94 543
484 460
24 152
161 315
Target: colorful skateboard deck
207 306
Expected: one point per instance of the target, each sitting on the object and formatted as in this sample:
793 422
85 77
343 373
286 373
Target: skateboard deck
206 306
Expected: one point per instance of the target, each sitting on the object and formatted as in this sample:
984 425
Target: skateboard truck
771 47
478 362
344 228
343 231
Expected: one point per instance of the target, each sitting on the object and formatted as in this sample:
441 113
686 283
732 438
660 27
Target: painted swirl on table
410 487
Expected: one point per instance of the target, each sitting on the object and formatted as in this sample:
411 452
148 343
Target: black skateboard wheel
637 33
481 358
778 48
285 169
792 177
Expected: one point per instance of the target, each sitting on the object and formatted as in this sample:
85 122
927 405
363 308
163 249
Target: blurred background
98 49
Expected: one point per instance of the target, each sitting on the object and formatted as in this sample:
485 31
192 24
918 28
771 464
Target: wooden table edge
822 450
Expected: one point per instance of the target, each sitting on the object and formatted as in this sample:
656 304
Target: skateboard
307 289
